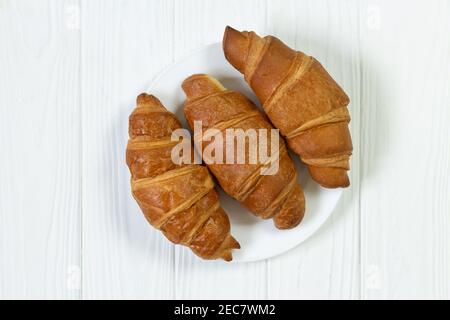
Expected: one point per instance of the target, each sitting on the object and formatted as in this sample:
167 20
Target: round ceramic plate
259 238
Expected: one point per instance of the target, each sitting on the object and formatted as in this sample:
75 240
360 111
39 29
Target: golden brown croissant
300 98
276 196
179 200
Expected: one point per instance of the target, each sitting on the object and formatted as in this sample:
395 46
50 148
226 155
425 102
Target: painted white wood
40 150
119 59
327 265
405 149
67 87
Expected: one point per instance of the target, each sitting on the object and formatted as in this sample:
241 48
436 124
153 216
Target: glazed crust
179 200
300 98
276 196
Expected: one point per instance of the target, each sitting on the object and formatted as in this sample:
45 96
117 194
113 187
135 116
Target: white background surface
69 74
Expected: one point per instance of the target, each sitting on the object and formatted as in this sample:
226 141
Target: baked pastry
178 199
276 195
300 98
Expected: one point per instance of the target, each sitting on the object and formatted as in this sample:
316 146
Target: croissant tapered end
235 47
231 243
330 177
200 85
145 100
227 256
292 211
234 244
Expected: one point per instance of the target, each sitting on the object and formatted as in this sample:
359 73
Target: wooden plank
405 157
40 142
123 46
327 265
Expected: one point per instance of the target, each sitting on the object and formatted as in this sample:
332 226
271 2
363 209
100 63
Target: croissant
276 196
300 98
178 199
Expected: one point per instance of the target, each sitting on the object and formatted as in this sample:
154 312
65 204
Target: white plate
259 239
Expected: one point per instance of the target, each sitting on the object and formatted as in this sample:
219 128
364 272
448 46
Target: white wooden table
69 74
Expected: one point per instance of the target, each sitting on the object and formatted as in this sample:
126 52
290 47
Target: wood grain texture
405 201
123 257
327 265
40 150
69 227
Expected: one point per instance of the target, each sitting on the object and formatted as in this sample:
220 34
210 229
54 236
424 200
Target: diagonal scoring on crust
201 221
253 177
335 161
148 144
300 65
223 125
270 210
255 54
334 116
169 175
